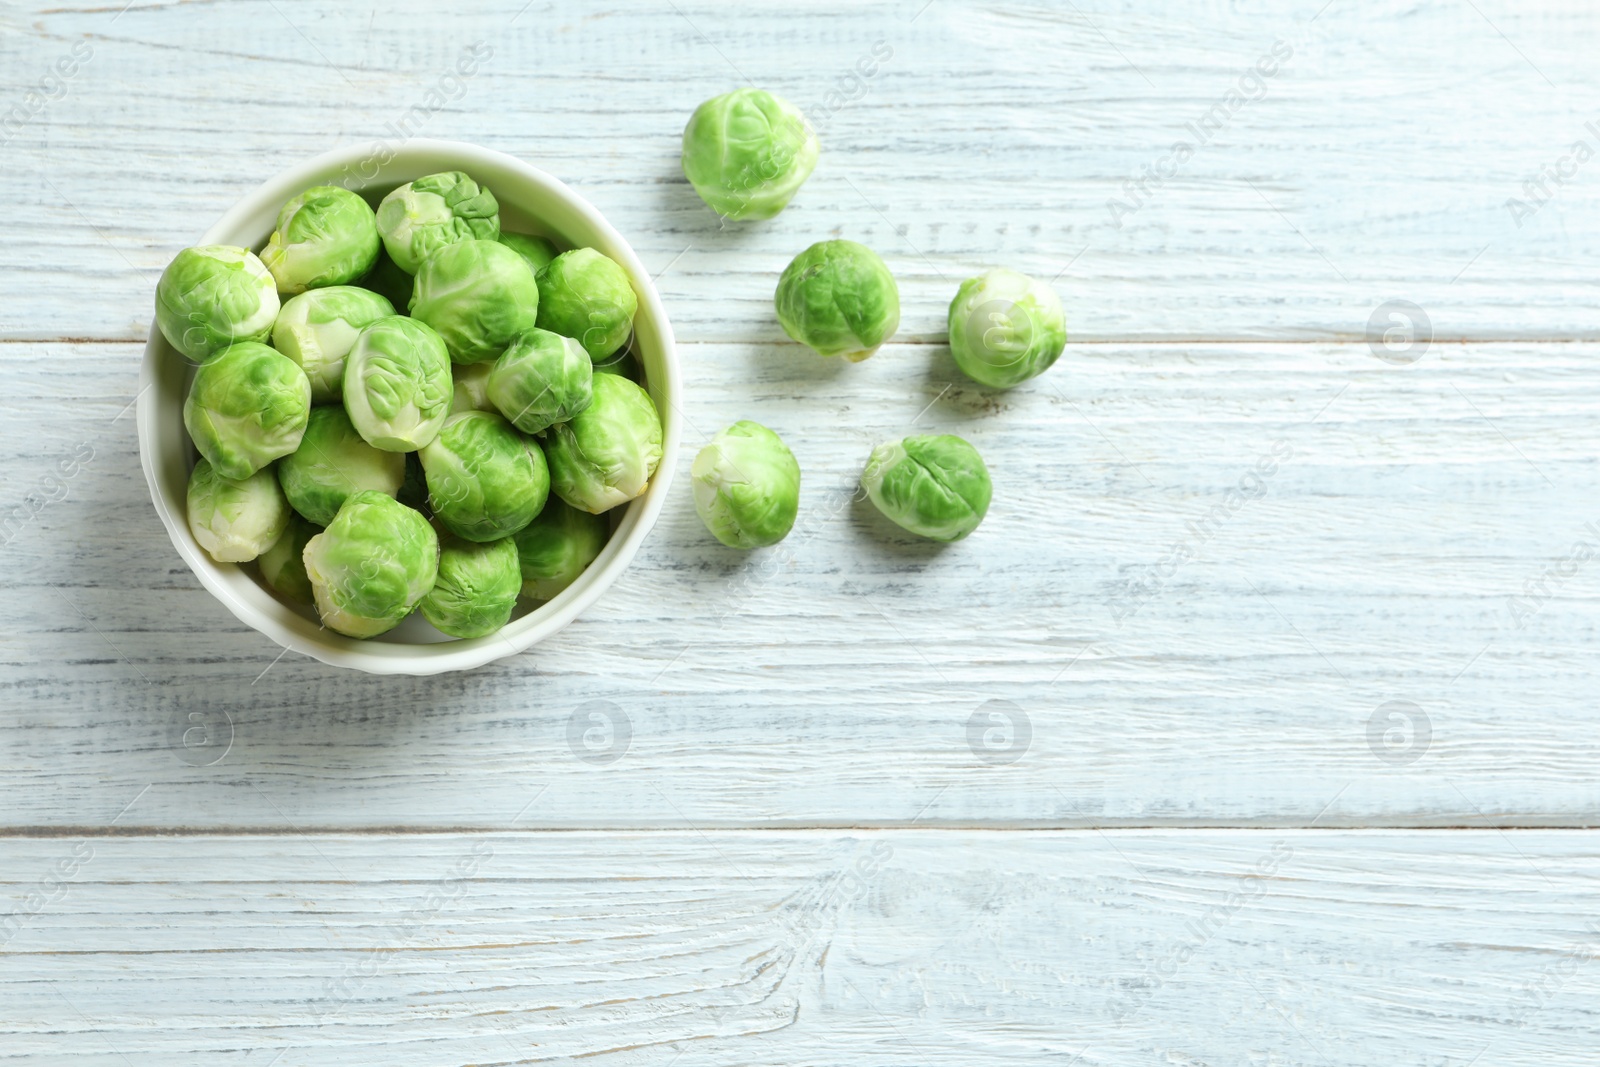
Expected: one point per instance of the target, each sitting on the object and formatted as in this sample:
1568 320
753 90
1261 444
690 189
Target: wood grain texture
1090 947
834 681
1366 168
1390 616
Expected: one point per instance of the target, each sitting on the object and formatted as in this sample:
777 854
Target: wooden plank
1364 169
845 678
1091 947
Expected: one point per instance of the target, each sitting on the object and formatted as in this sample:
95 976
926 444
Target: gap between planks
1369 826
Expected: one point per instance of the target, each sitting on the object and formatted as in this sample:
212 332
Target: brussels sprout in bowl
530 202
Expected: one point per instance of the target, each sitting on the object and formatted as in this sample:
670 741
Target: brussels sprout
325 236
555 548
477 587
479 295
747 153
606 454
235 521
332 464
586 296
247 406
214 296
542 379
934 486
471 387
536 250
839 298
747 486
485 480
423 216
318 328
1006 328
372 565
389 281
397 384
284 566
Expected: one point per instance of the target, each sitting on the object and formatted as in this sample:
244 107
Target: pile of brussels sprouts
746 153
446 458
409 408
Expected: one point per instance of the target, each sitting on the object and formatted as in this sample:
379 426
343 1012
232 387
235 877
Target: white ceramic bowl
531 201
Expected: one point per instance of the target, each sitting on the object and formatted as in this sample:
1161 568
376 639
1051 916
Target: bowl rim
379 657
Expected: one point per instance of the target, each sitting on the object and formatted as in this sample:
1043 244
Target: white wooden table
1294 646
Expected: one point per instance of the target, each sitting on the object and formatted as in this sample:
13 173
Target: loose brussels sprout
318 328
747 486
477 587
235 521
471 385
332 464
485 480
536 250
372 565
397 384
389 281
586 296
606 454
1006 328
555 548
423 216
479 295
839 298
325 236
284 566
747 153
214 296
247 406
542 379
934 486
